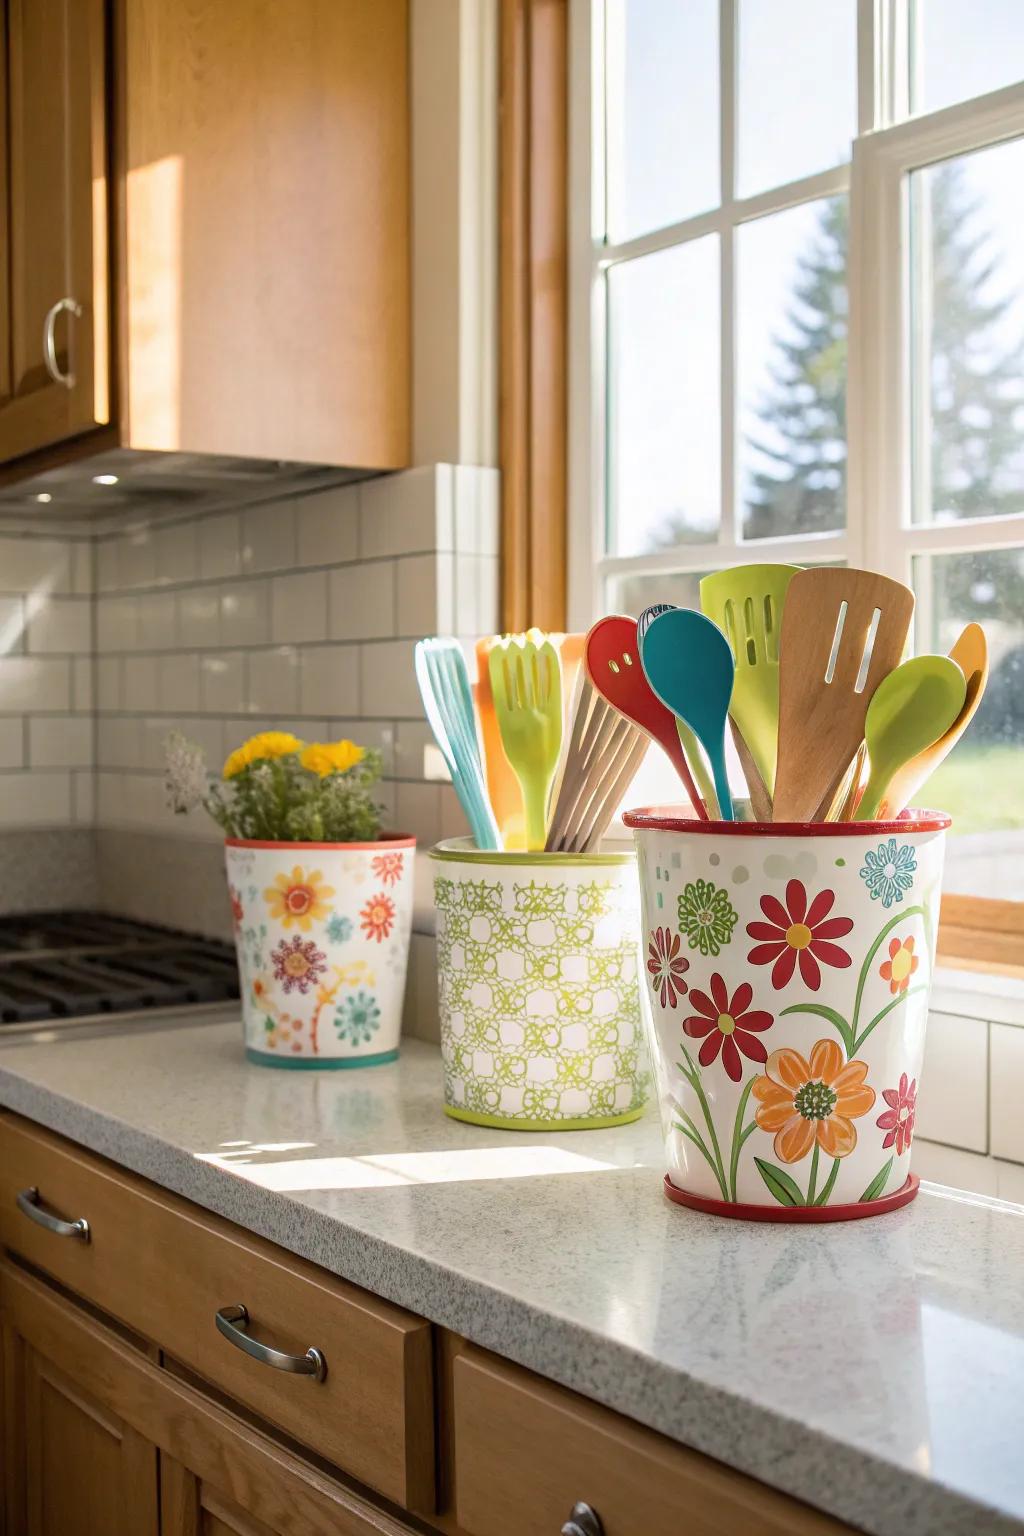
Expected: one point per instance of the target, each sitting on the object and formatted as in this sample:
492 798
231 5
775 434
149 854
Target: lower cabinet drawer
165 1268
526 1452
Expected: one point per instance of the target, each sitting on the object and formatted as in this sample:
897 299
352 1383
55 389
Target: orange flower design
900 966
377 917
299 898
388 867
803 1102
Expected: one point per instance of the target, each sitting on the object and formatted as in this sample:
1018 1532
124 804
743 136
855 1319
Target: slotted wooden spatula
843 630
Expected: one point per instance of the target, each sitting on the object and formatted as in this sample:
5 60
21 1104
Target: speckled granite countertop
875 1369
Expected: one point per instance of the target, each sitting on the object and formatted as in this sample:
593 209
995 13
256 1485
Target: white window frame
879 532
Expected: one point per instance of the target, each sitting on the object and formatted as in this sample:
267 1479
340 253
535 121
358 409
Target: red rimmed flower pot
786 999
322 936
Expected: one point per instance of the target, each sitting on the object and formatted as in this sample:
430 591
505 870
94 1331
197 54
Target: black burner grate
74 964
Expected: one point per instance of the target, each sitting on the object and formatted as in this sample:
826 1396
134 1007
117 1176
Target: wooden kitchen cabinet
54 331
222 189
70 1462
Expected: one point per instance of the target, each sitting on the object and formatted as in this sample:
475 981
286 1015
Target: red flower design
796 930
377 917
388 867
237 910
726 1027
898 1120
298 963
666 966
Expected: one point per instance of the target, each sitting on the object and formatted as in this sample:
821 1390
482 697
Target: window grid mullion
728 82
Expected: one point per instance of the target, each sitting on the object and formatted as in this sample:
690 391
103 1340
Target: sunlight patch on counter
383 1170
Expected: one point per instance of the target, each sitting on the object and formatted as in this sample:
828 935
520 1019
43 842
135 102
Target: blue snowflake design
889 871
339 929
357 1018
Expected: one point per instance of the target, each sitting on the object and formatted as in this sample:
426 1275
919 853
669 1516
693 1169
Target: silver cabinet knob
49 340
28 1205
232 1322
583 1521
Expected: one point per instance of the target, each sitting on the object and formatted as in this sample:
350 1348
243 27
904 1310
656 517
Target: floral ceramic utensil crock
786 1000
537 958
321 903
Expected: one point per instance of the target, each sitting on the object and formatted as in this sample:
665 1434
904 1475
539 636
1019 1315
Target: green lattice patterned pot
538 958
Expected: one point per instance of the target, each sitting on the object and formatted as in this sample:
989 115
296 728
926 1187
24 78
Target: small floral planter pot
538 958
322 934
787 971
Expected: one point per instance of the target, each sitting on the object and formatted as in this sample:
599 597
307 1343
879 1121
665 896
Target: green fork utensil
746 603
909 710
526 680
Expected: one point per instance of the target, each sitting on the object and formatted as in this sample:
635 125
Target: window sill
989 995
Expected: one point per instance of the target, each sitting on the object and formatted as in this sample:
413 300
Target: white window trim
879 532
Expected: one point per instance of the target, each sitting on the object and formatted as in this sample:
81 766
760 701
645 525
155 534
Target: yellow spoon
912 707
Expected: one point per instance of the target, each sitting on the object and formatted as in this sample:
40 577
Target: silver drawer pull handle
583 1521
232 1323
49 340
28 1205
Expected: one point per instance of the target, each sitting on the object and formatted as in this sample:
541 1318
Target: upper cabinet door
54 371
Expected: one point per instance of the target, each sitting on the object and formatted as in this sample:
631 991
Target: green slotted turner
746 603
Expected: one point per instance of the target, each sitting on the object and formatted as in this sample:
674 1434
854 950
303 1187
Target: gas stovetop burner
62 965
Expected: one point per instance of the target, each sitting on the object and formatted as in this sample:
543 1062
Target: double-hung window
797 326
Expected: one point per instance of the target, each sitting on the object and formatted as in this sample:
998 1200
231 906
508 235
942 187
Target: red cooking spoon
612 658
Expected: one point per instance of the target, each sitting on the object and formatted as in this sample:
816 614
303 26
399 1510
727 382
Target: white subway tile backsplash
362 600
83 798
475 605
952 1104
83 691
119 741
29 564
273 681
139 682
83 567
108 682
198 617
379 734
12 741
245 613
158 621
476 510
387 680
453 817
60 741
327 526
220 546
177 553
1006 1062
107 571
412 739
117 621
330 681
418 811
406 514
298 607
222 683
59 624
177 684
37 799
136 558
950 1166
423 589
12 626
268 537
34 683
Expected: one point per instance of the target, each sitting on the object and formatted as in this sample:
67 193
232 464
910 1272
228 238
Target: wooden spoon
971 655
842 631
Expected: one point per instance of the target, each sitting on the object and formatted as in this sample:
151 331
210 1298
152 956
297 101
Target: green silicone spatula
909 710
746 604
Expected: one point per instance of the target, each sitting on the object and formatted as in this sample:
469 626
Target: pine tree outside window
797 328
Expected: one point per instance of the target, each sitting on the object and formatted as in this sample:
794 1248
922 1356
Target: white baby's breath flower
186 777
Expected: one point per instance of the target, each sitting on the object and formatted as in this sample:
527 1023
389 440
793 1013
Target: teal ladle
689 664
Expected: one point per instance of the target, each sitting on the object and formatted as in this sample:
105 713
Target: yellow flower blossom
299 898
324 757
264 746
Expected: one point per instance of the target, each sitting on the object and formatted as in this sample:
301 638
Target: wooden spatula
843 630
